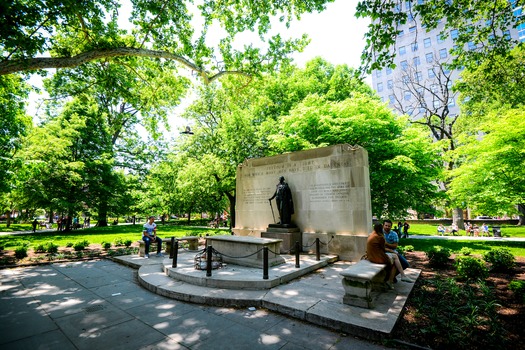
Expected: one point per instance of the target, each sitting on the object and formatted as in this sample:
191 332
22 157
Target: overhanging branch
13 66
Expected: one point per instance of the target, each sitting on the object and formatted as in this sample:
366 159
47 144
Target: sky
336 36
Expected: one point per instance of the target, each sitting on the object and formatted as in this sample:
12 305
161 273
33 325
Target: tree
427 103
484 24
492 98
492 172
160 30
14 125
402 159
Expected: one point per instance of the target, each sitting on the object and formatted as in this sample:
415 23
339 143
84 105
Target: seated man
454 229
392 241
441 229
149 234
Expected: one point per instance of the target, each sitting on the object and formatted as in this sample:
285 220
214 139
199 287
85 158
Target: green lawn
103 234
431 230
110 234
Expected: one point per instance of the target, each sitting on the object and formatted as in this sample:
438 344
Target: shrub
128 242
40 248
501 259
106 245
471 268
85 243
465 251
409 248
21 252
438 256
79 246
118 242
51 248
69 244
518 287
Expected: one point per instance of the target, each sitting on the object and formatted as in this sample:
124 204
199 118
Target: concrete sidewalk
99 305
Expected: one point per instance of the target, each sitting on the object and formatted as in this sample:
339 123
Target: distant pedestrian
34 223
406 226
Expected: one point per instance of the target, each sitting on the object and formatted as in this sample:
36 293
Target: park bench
363 282
193 244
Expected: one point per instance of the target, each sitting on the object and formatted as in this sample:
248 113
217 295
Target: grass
477 247
124 232
103 234
431 230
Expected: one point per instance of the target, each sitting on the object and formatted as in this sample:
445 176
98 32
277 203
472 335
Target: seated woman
441 229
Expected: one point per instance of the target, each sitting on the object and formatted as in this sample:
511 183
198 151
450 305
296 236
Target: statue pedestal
289 233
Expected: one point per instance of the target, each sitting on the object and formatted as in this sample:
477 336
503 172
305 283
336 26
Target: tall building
420 85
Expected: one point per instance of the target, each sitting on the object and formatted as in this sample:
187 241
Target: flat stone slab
246 250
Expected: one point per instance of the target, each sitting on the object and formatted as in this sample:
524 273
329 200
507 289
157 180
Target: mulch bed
511 311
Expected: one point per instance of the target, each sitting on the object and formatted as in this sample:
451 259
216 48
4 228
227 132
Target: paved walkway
99 305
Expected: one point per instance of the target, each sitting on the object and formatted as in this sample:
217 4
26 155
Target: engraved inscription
330 192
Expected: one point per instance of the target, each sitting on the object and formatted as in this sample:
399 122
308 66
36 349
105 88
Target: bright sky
336 35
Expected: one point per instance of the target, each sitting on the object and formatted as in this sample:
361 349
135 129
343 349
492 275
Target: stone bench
363 282
193 244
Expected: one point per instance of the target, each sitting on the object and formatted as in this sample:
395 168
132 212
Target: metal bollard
265 263
175 250
209 250
172 245
317 249
297 249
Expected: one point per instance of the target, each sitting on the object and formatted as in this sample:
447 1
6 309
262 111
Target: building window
454 34
416 61
414 47
401 32
434 88
390 84
443 53
420 92
427 42
429 57
451 102
388 70
422 110
439 38
405 79
404 65
379 87
431 73
408 96
391 98
471 45
402 50
412 29
378 74
419 76
436 104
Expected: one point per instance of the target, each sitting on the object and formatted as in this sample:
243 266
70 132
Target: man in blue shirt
392 241
149 234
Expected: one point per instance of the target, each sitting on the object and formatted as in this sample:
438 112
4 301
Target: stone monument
331 195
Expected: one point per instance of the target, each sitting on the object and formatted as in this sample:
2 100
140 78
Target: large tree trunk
103 213
457 218
8 219
231 198
521 215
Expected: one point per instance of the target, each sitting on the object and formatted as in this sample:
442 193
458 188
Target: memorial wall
331 194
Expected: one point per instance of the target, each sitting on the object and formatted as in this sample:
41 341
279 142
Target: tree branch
9 67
